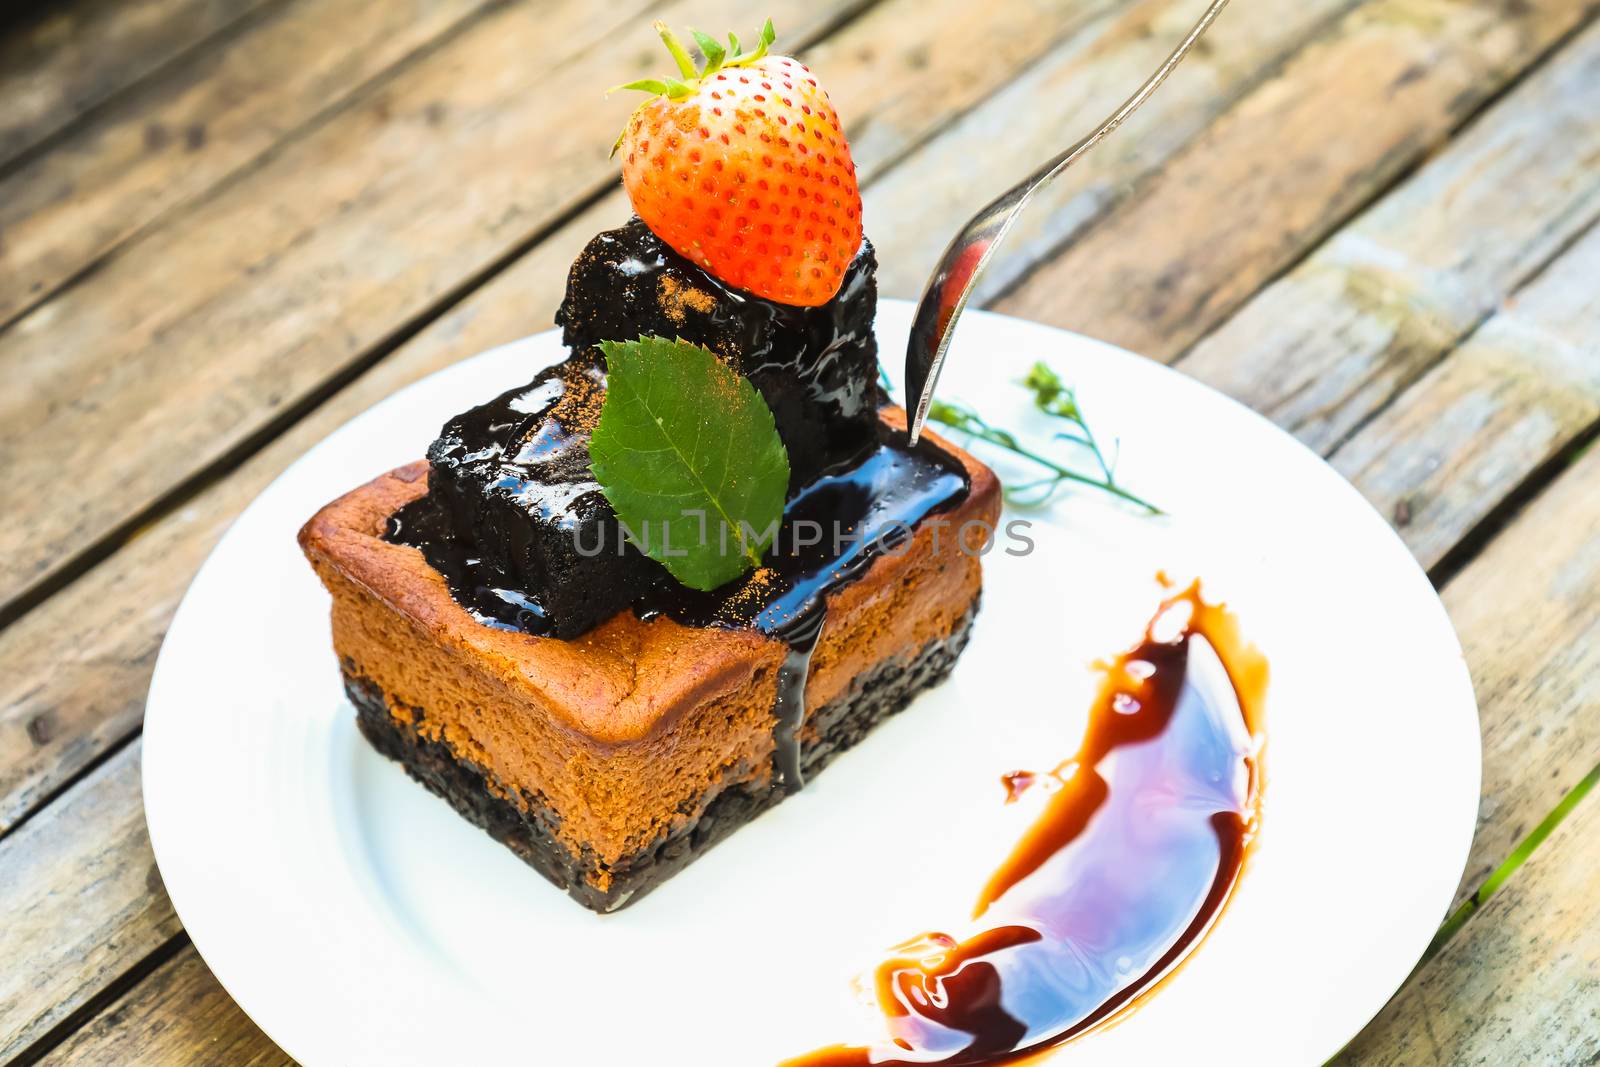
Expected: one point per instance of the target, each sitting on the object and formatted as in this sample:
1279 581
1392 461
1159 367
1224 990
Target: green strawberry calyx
717 57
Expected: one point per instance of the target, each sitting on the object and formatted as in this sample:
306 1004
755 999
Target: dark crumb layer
873 696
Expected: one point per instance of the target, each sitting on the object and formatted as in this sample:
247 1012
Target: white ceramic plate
359 921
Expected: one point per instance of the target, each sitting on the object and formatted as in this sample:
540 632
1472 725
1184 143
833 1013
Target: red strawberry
742 167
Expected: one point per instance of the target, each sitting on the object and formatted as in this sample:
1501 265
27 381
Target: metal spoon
952 282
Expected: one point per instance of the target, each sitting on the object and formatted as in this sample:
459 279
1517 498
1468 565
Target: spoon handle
948 290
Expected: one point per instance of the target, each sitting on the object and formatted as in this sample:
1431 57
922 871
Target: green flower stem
1518 856
1004 440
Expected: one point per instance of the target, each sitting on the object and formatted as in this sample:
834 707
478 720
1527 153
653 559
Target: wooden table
226 226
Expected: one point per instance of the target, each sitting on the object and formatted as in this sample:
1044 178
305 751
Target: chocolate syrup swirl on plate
1136 851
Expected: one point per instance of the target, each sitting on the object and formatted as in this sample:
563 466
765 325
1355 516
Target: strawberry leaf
680 55
712 50
648 85
687 453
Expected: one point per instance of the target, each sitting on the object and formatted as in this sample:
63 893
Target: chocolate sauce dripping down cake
514 511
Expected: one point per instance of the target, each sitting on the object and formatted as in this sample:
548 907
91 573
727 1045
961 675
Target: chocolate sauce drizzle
1126 869
833 529
513 515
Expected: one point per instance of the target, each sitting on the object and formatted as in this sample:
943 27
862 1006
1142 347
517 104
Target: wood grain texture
1044 107
1288 164
60 707
177 1015
1527 610
203 332
1521 389
1332 341
80 902
900 72
190 340
1520 984
63 59
185 130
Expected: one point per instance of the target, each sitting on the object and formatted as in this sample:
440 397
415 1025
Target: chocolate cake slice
601 707
609 761
504 640
603 721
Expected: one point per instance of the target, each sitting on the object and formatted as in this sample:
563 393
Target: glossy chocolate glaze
518 527
511 502
832 531
509 480
1131 859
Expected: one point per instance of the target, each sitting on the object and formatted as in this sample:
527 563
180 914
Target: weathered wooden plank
181 132
1522 388
204 331
179 1015
900 72
63 59
1043 107
59 707
1322 348
1270 179
1521 982
143 382
80 902
1527 610
62 708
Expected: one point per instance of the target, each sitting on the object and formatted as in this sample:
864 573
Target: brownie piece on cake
515 470
816 367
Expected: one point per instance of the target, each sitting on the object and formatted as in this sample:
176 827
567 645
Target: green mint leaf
687 453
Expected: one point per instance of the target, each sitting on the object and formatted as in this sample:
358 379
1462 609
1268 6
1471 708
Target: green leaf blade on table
687 453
